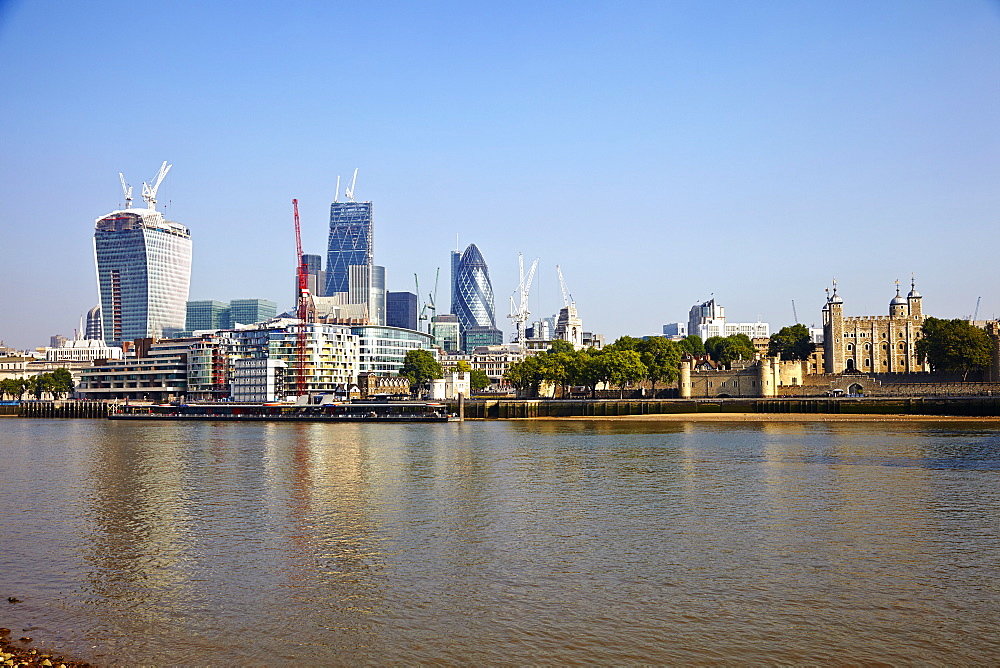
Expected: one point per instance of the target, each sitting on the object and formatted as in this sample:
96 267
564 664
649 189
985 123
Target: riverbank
770 417
20 653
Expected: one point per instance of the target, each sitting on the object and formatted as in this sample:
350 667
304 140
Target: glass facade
204 315
474 291
350 242
250 311
382 350
401 310
475 337
143 274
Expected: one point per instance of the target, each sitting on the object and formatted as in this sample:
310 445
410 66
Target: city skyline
658 152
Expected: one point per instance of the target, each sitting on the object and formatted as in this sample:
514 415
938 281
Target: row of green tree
56 384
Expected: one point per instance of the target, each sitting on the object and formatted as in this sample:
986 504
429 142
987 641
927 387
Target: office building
315 276
474 300
709 319
205 315
143 270
401 310
249 311
350 243
447 332
366 285
383 350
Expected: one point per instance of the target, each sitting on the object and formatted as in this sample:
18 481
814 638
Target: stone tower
833 331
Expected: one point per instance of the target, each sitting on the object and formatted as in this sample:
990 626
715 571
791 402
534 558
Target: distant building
494 361
57 341
675 330
350 243
143 271
315 276
873 344
473 302
94 331
401 310
249 312
366 285
569 327
447 332
475 337
709 319
83 350
204 315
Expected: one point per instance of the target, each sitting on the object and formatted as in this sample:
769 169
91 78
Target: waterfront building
371 384
143 270
159 376
382 350
873 344
401 310
350 243
259 380
451 385
331 355
446 332
94 331
474 299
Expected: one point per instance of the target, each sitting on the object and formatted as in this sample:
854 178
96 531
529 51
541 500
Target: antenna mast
149 190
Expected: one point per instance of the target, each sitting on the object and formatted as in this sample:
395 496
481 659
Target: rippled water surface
502 542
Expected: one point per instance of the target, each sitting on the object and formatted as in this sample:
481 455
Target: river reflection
503 542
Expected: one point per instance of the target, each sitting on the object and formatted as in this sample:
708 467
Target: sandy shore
773 417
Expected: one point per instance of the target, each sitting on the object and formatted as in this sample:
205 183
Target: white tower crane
336 193
349 191
432 300
567 297
519 310
149 190
127 189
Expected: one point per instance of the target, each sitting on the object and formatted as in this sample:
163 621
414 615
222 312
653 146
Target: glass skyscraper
350 243
474 292
143 274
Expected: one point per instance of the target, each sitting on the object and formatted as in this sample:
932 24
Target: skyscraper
143 269
401 310
474 291
350 243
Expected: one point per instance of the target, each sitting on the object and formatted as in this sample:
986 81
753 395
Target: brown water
502 542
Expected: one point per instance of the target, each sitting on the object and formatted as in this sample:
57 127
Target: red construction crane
303 308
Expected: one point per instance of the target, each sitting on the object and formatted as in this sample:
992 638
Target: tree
479 379
692 345
626 343
713 346
40 384
420 366
623 367
560 346
61 382
792 343
661 357
525 375
14 387
463 367
954 346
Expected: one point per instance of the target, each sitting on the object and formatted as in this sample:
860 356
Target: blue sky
660 152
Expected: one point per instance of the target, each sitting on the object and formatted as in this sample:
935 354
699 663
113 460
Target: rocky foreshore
20 653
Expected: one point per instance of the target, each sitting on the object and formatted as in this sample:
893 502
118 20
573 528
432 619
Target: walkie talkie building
143 274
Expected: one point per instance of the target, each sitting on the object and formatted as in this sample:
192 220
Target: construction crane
302 307
795 313
519 310
423 309
975 316
349 191
567 297
127 189
149 190
432 304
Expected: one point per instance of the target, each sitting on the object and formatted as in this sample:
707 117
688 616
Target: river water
519 542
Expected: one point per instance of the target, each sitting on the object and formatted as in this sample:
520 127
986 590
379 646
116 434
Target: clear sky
660 152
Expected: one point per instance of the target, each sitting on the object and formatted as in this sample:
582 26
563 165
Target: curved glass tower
474 303
143 274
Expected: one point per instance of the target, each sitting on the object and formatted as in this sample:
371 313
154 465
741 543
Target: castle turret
898 307
685 379
914 300
833 333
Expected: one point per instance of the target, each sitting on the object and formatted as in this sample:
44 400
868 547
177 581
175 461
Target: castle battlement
881 318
